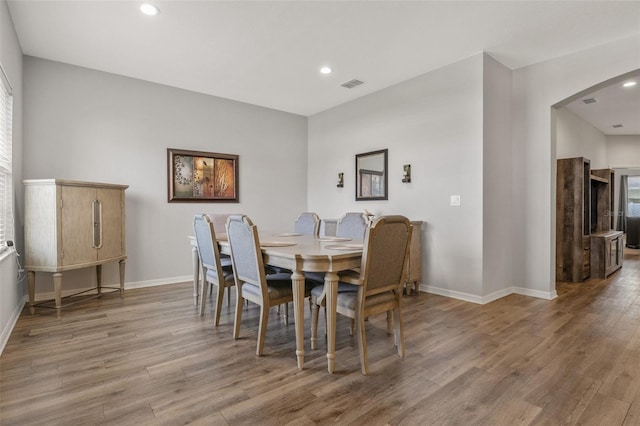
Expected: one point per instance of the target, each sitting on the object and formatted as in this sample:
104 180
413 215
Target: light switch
455 200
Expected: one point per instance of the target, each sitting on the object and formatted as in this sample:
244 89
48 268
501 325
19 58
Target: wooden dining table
300 254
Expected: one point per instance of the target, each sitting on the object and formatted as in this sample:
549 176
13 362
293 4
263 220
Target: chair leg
352 327
314 325
203 291
228 296
220 294
236 324
389 322
286 313
362 345
262 329
399 334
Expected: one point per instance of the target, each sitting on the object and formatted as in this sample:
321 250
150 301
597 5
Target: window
633 196
6 171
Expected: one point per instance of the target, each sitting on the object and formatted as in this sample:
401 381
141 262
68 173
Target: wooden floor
150 359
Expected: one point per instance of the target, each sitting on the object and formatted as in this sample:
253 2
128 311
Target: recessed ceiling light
149 9
326 70
629 84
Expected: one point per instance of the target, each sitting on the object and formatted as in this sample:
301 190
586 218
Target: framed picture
202 176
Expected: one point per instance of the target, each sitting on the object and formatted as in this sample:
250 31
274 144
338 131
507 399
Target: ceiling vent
352 83
617 126
589 101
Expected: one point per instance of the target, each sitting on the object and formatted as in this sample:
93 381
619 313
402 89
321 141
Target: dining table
299 254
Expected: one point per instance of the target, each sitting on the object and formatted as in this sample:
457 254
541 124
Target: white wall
434 123
11 291
623 151
498 246
82 124
577 138
535 90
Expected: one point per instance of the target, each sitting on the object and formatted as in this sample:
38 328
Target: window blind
6 171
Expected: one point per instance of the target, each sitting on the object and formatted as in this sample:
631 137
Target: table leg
121 266
331 286
195 264
297 279
57 289
99 279
31 284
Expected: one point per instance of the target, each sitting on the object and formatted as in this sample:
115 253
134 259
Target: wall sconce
340 180
406 173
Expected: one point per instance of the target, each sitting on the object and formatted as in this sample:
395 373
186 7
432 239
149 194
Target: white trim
483 300
5 79
6 333
127 286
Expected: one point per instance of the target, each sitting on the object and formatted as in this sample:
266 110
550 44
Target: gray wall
12 292
87 125
434 123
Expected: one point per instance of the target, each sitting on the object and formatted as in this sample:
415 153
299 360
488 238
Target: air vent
352 83
589 101
617 126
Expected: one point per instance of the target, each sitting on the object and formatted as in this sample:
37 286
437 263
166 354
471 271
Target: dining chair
307 224
377 287
219 221
352 225
252 282
210 261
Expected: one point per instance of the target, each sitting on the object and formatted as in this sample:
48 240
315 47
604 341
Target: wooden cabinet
71 225
606 253
414 266
573 221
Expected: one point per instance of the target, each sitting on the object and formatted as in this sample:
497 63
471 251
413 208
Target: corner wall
433 122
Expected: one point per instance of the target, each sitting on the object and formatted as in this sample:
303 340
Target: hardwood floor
150 359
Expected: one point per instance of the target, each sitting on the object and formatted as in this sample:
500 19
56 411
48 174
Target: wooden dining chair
219 221
377 287
212 270
307 224
252 283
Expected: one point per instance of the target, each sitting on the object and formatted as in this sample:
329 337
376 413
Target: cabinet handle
97 224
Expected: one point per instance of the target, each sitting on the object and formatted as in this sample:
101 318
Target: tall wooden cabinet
584 219
71 225
573 220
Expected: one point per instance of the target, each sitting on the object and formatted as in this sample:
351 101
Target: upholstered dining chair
377 287
352 225
307 224
212 270
252 283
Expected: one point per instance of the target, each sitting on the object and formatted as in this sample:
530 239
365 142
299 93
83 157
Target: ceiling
269 53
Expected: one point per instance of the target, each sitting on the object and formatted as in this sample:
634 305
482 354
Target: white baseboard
482 300
6 333
127 286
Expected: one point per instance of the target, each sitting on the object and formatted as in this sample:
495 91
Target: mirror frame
384 176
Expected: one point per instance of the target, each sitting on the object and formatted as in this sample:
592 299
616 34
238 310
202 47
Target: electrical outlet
455 201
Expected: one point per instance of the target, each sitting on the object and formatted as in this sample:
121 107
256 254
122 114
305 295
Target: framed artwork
196 176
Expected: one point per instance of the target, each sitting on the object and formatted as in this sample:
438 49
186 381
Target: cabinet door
112 217
76 223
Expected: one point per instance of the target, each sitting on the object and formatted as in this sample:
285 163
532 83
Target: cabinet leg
57 289
31 284
121 266
99 279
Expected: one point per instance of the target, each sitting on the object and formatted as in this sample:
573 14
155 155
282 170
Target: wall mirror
371 176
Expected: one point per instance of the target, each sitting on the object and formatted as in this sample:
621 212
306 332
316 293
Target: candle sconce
340 180
406 173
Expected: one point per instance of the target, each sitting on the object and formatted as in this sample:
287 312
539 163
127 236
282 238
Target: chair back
208 251
386 250
307 224
352 225
246 255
